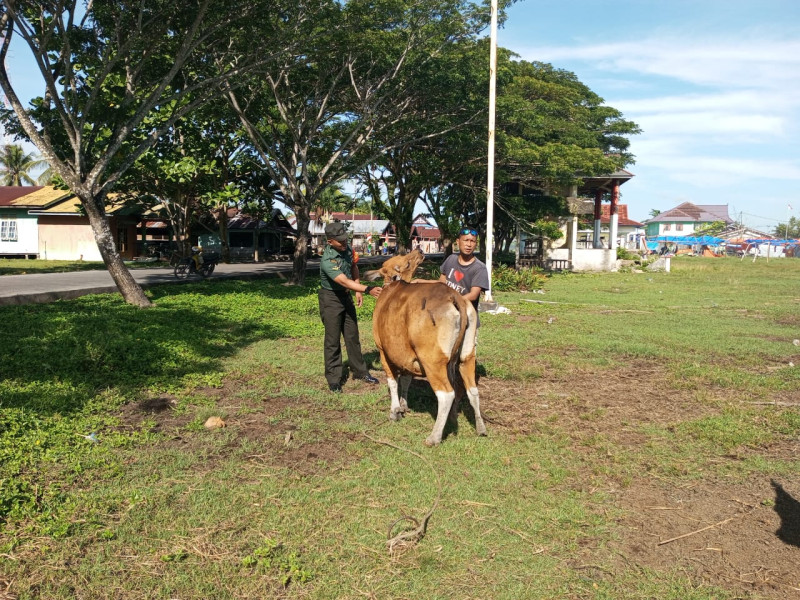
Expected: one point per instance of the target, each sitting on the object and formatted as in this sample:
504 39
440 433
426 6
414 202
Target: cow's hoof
396 416
430 442
481 431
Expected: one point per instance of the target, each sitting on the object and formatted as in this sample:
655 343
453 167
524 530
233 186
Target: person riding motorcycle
197 257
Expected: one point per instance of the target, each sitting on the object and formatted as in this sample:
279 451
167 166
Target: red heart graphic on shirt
458 275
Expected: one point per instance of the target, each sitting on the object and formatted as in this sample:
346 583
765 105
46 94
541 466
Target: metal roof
30 196
71 206
694 213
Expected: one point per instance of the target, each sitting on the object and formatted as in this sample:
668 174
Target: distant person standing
463 271
338 277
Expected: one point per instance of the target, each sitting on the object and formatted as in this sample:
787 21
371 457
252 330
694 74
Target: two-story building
686 219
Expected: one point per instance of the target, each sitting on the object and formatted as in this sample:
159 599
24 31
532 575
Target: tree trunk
447 244
300 260
222 218
131 291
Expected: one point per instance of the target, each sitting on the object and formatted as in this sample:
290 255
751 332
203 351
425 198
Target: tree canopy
117 75
173 104
16 165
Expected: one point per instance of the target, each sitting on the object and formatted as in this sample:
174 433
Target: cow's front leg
398 408
396 411
405 383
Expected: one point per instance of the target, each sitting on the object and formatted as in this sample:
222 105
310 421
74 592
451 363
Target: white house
19 229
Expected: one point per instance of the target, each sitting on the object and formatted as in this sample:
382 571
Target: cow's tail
455 354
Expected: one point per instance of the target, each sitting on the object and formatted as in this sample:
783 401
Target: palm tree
15 165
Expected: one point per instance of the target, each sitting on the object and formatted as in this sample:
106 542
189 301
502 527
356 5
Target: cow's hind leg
444 397
467 371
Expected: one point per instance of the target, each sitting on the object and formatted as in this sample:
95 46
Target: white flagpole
490 172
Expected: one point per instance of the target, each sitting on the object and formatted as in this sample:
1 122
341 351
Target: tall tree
451 104
788 230
552 129
313 118
117 75
16 165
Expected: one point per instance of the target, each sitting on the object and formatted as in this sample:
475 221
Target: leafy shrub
507 279
625 254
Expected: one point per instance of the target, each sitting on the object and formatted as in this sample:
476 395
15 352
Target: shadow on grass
422 399
58 356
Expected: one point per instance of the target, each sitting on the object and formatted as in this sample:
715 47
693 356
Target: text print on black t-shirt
454 278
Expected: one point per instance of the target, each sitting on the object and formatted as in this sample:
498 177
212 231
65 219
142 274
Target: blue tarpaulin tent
685 240
771 242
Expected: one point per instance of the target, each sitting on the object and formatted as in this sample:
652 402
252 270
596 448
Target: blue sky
714 85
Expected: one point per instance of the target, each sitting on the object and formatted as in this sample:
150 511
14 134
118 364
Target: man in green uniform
338 277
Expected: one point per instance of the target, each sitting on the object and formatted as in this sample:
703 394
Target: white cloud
737 63
720 117
702 170
703 123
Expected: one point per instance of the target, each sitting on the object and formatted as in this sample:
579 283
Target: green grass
293 500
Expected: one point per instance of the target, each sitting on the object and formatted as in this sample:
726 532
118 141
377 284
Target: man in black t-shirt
463 271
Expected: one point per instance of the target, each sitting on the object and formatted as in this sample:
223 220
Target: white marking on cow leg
395 412
405 382
445 400
475 401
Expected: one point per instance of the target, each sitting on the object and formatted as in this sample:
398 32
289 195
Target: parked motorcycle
196 264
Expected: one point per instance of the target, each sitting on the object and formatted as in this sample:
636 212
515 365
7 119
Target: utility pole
490 172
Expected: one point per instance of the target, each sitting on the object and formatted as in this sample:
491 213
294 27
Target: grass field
643 443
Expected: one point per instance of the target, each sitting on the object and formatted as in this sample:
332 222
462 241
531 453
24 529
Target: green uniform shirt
332 264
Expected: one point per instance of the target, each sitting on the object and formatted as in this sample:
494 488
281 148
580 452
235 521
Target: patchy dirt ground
271 423
743 536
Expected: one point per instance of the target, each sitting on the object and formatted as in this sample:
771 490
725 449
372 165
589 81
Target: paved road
48 287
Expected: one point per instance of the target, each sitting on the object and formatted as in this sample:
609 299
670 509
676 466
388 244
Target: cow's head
398 267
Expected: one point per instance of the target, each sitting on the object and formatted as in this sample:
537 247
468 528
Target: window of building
667 227
679 227
8 229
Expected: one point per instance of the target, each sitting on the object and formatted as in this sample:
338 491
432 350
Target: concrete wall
69 240
591 259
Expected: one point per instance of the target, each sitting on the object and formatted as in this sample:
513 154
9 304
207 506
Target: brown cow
425 329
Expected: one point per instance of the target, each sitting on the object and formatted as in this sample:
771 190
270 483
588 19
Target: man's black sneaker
335 388
370 379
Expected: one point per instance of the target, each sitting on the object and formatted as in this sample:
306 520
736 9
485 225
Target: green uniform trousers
338 315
